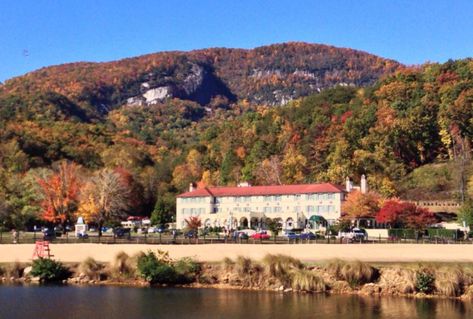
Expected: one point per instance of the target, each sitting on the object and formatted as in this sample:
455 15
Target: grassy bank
273 272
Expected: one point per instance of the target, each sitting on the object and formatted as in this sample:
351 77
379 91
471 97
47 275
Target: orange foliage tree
60 193
358 205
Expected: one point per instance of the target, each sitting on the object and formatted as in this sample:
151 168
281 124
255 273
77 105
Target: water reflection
113 302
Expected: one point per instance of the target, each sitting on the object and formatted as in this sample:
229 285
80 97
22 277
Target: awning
317 219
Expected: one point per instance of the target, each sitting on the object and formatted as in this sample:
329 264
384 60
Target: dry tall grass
354 272
14 270
398 280
281 266
92 269
250 274
228 264
449 281
123 266
306 280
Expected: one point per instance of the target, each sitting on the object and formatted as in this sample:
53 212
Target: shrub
154 271
425 281
187 270
49 270
306 280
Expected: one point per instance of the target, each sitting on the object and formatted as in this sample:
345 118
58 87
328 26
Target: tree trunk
100 228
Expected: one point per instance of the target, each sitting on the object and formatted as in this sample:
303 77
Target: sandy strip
216 252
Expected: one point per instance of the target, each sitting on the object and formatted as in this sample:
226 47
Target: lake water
113 302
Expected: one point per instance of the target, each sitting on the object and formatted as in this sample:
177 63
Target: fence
396 236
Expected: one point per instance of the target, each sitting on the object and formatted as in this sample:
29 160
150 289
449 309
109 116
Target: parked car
260 235
291 235
356 234
49 233
82 235
121 232
240 235
190 234
308 236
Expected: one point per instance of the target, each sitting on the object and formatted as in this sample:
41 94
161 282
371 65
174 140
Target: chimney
363 184
348 185
191 187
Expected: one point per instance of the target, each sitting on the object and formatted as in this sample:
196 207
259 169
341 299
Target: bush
187 270
155 271
425 281
49 270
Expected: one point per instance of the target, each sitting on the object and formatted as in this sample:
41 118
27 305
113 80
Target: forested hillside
93 115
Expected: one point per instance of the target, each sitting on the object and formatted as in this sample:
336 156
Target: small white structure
81 227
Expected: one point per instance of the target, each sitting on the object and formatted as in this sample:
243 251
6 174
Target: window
267 210
277 209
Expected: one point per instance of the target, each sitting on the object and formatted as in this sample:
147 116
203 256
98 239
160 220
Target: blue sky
37 33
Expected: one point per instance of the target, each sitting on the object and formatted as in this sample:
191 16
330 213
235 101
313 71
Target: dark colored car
190 234
122 232
49 234
240 235
308 236
291 235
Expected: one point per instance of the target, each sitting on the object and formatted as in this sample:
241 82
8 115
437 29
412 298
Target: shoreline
141 284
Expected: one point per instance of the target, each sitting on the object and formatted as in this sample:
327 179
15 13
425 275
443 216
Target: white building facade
297 206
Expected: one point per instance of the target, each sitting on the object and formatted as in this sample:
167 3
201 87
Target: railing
165 239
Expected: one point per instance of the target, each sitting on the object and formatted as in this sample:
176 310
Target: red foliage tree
391 213
404 214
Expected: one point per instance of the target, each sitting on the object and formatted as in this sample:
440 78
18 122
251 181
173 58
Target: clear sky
37 33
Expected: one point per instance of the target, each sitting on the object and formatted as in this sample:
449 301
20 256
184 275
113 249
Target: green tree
274 225
159 214
465 214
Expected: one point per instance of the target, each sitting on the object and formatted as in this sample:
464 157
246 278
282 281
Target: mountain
268 75
168 119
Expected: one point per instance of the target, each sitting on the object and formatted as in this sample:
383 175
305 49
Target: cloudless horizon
36 34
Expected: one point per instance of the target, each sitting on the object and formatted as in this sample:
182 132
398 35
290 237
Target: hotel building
297 206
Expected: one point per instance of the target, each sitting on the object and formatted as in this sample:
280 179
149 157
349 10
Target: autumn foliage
398 214
60 192
358 205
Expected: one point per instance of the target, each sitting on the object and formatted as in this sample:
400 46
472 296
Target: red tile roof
264 190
